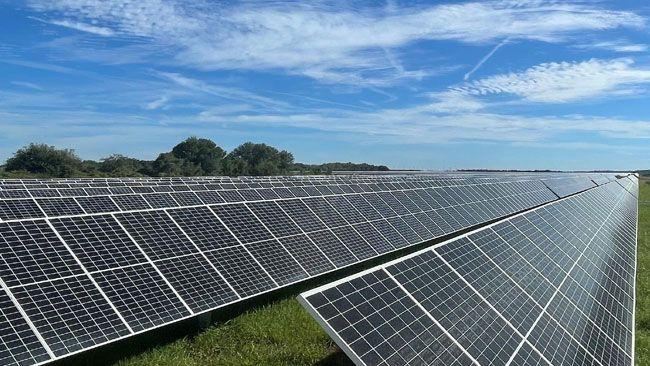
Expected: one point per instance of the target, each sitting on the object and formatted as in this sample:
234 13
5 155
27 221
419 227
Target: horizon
502 85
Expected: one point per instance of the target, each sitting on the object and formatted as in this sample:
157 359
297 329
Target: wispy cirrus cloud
28 85
552 82
82 27
329 43
620 46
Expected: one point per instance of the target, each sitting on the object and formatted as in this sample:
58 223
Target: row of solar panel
17 209
87 280
278 181
552 286
86 191
234 183
126 188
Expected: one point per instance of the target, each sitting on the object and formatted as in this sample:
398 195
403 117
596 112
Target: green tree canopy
45 160
168 165
118 165
257 159
203 153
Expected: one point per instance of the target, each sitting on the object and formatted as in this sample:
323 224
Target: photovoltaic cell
239 219
18 343
60 206
274 219
70 314
302 215
492 283
335 250
160 200
30 252
98 241
365 310
186 198
597 290
97 204
487 290
156 233
241 270
141 296
19 209
197 282
131 202
277 261
325 212
354 242
203 227
307 254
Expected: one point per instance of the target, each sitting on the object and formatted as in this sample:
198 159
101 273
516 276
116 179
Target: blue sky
429 85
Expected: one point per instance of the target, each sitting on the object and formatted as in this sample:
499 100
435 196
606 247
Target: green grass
643 277
283 333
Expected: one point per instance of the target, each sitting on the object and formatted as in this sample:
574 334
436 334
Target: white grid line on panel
202 254
276 239
304 233
541 305
282 199
155 267
430 316
479 294
557 291
243 246
87 274
208 309
27 319
306 294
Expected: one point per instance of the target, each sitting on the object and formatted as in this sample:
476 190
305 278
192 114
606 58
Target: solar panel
97 204
19 345
554 285
60 206
140 259
141 295
70 314
241 270
19 209
157 234
99 242
197 281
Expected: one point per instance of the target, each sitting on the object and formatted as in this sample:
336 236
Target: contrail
480 63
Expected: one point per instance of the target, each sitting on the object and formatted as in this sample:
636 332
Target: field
282 333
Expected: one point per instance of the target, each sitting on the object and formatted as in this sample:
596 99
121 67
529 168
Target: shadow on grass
336 358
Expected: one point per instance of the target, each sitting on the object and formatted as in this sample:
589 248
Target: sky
508 84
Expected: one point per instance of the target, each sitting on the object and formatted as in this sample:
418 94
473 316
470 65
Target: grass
283 333
643 277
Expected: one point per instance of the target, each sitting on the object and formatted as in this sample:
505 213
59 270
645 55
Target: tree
118 165
257 159
201 152
168 165
45 160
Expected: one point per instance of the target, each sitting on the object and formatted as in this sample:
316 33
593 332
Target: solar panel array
551 286
89 261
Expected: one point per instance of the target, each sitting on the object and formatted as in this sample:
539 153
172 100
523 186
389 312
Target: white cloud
616 46
156 104
331 43
220 91
28 85
560 82
101 31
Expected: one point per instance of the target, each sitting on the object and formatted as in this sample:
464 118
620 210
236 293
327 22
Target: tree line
191 157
